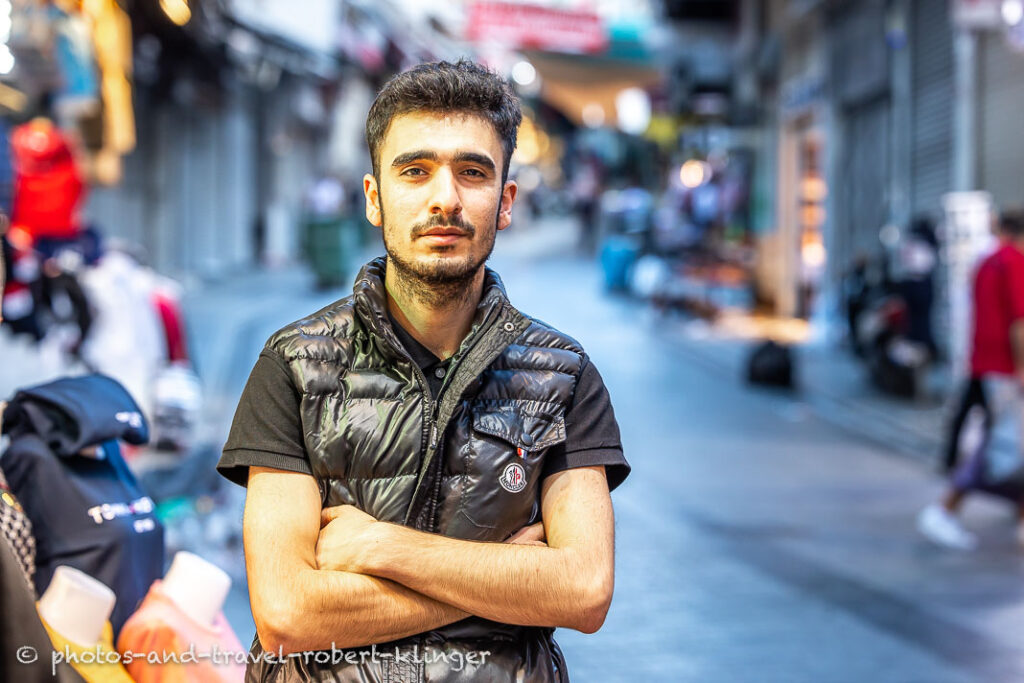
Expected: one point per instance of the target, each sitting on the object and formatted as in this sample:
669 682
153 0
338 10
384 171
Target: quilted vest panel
466 466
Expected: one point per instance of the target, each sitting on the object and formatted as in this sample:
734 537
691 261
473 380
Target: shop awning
572 82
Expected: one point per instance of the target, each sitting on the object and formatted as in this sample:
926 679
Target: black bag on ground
771 364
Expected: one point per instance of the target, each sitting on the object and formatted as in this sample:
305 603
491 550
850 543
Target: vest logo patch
513 479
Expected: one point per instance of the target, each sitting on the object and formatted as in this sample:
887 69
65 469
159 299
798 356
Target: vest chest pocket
506 456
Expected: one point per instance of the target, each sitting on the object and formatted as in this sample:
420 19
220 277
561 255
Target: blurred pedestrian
918 257
993 394
586 190
856 293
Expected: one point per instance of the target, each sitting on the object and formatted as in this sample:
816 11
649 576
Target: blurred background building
718 173
204 125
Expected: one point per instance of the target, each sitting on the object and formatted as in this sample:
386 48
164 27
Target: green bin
330 246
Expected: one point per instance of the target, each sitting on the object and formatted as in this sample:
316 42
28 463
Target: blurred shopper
994 392
918 257
586 188
856 294
402 445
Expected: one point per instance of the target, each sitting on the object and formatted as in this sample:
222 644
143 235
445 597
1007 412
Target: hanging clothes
87 509
127 339
48 186
161 626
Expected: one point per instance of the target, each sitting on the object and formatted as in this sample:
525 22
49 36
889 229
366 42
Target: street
754 539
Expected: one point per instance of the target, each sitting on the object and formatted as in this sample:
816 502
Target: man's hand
347 537
347 534
565 581
529 535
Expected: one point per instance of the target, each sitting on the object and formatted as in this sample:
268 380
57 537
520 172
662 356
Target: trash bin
329 247
618 253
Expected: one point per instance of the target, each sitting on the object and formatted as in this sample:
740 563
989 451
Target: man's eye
414 171
476 173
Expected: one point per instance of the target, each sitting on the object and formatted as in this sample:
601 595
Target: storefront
793 258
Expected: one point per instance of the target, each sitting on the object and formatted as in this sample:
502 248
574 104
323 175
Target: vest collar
371 299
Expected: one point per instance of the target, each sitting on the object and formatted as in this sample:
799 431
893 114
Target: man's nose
445 197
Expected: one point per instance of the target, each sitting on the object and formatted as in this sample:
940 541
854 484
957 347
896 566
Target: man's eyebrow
429 155
409 157
475 158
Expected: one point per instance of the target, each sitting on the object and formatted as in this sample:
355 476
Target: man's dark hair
464 87
1011 222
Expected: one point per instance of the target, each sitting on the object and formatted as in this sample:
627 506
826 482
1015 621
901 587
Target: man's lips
444 232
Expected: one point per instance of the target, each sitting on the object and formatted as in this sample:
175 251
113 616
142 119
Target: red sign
537 27
980 14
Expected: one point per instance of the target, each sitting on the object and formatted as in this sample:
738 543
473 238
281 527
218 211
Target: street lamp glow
633 110
1013 11
694 173
523 73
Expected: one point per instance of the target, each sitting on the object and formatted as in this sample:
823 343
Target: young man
428 469
995 389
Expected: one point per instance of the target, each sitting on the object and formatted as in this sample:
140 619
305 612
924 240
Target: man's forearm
343 609
515 584
1017 344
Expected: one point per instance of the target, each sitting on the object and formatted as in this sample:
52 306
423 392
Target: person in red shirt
997 351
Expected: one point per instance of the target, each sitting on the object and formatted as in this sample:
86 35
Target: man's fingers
327 515
529 535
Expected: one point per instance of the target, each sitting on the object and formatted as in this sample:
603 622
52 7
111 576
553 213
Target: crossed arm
358 581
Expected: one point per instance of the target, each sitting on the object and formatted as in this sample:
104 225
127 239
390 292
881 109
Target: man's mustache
439 220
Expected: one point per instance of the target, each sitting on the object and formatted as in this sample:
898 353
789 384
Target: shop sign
977 14
524 26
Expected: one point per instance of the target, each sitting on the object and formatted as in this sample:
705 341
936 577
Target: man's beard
439 282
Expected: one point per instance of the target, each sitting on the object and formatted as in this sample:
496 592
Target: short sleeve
267 427
591 432
1015 286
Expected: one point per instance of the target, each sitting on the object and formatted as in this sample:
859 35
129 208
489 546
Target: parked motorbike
896 364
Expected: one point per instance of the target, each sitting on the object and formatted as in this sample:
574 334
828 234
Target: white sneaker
941 526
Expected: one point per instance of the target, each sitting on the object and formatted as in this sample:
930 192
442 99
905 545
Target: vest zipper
432 432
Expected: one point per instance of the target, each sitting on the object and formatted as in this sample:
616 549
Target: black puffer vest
466 464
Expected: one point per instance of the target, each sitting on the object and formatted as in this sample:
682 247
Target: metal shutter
863 187
1000 119
860 91
931 38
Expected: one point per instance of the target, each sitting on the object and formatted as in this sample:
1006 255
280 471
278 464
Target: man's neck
439 326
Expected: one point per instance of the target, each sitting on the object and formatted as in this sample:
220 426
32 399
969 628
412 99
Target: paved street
756 541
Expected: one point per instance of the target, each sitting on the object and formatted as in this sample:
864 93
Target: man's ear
508 198
372 194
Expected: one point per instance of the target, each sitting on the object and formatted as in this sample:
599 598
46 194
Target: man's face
440 198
